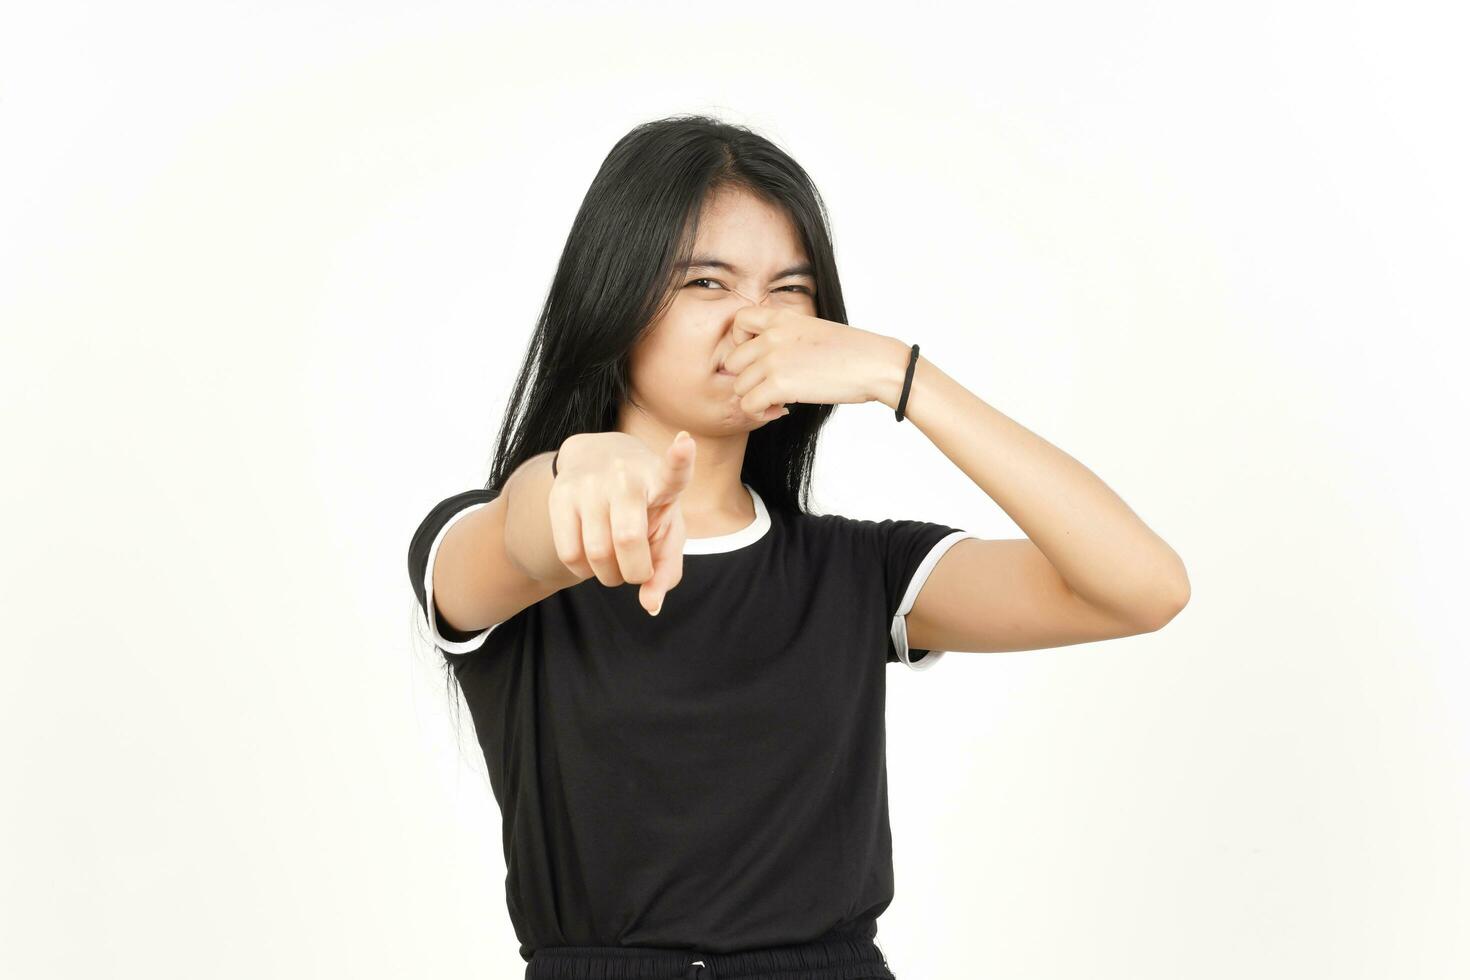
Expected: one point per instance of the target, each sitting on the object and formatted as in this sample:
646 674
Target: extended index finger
668 565
675 472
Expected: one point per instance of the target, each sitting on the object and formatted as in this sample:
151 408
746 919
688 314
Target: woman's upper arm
464 582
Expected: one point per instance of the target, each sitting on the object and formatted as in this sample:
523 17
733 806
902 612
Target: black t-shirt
711 778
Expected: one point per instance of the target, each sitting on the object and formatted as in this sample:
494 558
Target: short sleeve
421 551
909 551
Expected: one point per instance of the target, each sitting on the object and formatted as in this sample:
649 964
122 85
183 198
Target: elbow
1169 600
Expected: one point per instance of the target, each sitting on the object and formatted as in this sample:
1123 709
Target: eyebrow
710 262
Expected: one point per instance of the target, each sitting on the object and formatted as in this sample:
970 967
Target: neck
715 502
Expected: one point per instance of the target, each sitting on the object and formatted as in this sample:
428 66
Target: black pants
830 959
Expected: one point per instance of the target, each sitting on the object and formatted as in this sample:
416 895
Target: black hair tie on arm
908 378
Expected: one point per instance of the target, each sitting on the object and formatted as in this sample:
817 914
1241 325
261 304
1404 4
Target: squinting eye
797 288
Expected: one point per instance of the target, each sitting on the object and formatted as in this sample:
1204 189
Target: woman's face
675 367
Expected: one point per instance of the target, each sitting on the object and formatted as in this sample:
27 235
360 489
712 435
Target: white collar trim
748 534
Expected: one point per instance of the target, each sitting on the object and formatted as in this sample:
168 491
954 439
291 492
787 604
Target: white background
267 272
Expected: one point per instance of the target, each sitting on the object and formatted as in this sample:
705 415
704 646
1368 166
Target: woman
676 672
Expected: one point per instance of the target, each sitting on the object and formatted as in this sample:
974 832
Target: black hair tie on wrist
908 378
553 463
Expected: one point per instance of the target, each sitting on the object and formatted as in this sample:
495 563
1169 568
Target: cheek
684 344
674 363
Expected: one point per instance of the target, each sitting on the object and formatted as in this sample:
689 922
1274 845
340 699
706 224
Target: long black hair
630 239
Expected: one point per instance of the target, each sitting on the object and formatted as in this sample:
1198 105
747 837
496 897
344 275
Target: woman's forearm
529 543
1103 550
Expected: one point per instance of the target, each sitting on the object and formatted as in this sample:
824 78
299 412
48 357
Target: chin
735 419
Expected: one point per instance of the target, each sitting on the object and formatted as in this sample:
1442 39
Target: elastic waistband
830 958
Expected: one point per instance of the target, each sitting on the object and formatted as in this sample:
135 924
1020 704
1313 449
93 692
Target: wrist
888 386
527 539
530 467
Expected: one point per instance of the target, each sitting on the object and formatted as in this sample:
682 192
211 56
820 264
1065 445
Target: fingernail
657 608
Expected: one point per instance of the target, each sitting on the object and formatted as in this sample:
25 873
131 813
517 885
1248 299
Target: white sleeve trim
899 629
450 646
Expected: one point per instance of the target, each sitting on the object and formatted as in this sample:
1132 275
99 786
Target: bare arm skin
1088 569
501 559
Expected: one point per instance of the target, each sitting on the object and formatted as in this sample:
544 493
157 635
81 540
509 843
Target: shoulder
828 531
881 533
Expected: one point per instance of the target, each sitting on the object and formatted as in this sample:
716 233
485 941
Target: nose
753 302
